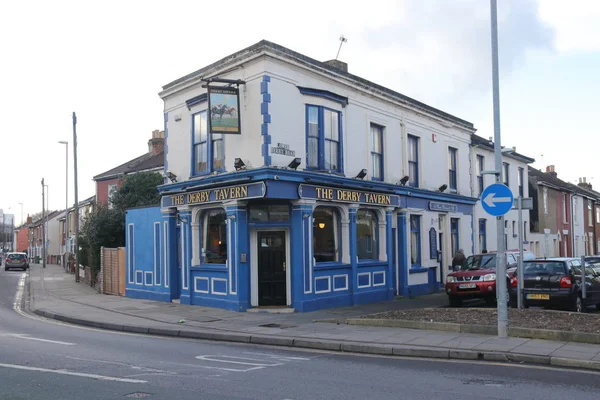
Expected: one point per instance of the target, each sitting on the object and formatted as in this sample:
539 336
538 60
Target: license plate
467 286
534 296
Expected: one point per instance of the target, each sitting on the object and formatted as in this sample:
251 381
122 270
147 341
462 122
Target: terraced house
294 183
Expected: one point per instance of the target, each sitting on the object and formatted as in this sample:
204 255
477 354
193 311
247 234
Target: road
40 359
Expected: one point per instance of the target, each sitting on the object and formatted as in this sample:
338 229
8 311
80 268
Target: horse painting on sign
224 111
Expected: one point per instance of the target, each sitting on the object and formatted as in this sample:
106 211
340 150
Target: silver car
16 260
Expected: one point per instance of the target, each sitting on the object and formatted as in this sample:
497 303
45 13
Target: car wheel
455 301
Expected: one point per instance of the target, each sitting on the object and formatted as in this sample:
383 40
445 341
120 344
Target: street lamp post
76 214
66 253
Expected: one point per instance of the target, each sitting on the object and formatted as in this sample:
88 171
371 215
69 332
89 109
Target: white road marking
72 373
279 357
135 367
27 337
231 360
19 295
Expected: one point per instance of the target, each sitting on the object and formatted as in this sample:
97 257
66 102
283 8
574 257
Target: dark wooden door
271 269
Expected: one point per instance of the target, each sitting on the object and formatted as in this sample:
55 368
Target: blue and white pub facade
293 183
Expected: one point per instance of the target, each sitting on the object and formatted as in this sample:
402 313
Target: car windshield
481 261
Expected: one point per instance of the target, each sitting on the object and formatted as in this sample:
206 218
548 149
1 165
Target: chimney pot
156 145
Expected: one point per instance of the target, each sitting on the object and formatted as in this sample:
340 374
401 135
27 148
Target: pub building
265 216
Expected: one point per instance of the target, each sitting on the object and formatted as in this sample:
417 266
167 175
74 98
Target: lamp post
66 253
76 198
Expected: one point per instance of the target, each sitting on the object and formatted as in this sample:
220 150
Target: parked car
16 260
594 261
478 278
556 283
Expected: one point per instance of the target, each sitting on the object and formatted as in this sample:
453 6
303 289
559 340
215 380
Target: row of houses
60 239
291 182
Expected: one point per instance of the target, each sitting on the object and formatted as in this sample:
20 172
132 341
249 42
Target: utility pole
43 227
66 253
76 216
501 289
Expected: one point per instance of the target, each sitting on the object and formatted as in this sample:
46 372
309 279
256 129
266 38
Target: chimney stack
550 171
337 64
29 220
583 183
156 145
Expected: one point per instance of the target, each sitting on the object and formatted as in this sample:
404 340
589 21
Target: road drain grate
137 395
280 326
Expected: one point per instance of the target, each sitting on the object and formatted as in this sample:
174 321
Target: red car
478 278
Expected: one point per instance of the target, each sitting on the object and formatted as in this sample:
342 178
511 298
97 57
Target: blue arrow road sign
497 199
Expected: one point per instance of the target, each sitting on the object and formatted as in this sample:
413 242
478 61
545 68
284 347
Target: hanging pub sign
224 106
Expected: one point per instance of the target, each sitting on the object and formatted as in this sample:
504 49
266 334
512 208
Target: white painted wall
512 217
53 235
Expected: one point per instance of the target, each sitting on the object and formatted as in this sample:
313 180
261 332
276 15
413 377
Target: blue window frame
413 161
505 174
452 166
480 167
367 235
482 235
454 237
520 182
208 151
415 240
323 139
376 140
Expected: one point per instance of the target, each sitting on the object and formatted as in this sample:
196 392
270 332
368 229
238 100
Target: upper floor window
112 190
520 179
324 139
413 161
590 214
376 152
452 168
326 234
598 215
564 206
367 247
208 153
480 167
214 229
575 220
505 175
545 199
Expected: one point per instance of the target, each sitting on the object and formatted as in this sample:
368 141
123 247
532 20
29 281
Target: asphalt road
47 360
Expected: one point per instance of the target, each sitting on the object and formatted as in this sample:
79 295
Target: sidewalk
55 294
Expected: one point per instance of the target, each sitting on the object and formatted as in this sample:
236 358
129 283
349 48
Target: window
590 214
366 235
415 240
326 235
452 181
545 196
324 144
209 153
480 166
564 205
520 182
214 250
455 243
598 216
524 231
575 210
514 228
270 213
413 161
505 174
376 152
482 235
112 190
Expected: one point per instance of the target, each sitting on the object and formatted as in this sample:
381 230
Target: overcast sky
108 61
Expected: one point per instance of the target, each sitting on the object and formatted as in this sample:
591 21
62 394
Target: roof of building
482 142
265 45
559 183
145 162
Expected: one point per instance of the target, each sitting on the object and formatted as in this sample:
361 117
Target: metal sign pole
583 288
520 275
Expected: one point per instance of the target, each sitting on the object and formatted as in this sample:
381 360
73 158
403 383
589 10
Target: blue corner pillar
185 217
171 277
238 257
301 257
389 246
352 210
403 254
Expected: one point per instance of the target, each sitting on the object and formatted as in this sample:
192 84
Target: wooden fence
112 271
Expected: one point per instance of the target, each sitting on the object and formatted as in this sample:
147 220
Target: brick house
108 182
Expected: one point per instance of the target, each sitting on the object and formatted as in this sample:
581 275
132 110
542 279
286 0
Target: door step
175 301
272 310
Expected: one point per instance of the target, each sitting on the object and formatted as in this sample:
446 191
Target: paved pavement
54 294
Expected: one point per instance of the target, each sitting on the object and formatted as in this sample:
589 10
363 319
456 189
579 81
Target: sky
108 60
